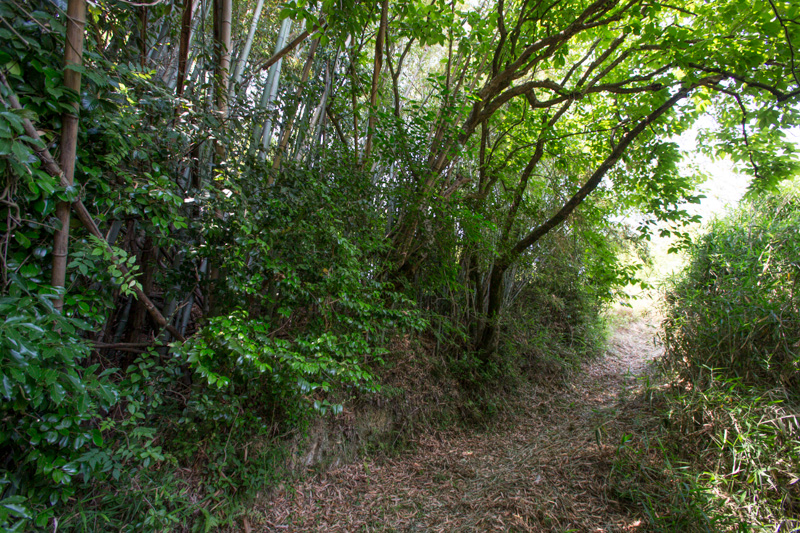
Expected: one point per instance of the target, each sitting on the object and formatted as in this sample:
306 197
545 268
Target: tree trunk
354 101
376 74
147 261
144 15
490 334
489 338
73 55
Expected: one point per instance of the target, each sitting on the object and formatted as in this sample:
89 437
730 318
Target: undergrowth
554 326
723 448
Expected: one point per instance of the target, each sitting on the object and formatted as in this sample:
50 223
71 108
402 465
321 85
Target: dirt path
546 470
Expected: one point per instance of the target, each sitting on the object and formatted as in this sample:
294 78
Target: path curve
548 470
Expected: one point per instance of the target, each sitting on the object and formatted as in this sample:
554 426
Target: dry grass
543 468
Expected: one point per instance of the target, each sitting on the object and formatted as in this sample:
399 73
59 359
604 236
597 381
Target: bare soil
546 467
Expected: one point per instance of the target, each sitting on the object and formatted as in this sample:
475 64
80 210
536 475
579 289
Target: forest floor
546 465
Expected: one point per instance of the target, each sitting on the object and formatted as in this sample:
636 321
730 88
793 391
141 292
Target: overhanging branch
598 174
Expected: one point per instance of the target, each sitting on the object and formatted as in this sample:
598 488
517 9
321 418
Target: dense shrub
51 403
555 321
731 425
274 276
734 311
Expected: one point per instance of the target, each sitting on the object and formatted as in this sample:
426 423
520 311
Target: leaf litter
544 467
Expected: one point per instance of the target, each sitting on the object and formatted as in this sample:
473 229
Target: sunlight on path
545 469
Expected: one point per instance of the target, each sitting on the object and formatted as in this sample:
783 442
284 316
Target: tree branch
598 174
788 39
744 127
289 47
780 96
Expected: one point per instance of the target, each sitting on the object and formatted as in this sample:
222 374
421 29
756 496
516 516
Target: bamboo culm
263 133
73 55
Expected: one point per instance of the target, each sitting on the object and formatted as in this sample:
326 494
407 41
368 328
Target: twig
744 127
788 40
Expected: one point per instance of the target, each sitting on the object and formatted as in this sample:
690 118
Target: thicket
733 314
729 455
258 211
272 281
555 322
277 280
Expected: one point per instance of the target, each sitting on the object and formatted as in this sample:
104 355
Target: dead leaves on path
545 469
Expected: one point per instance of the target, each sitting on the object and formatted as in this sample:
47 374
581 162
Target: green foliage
729 441
306 265
724 457
235 350
652 474
176 450
747 445
52 403
734 311
290 281
554 323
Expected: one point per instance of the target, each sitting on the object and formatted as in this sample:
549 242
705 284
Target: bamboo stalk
287 130
73 55
263 133
222 45
248 44
278 55
183 51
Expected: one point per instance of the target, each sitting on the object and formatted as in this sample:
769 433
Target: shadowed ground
544 469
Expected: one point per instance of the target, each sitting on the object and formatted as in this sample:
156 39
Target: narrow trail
545 469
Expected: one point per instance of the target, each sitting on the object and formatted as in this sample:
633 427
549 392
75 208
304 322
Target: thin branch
526 173
336 126
142 4
788 40
10 27
616 43
677 8
289 47
779 95
582 60
744 127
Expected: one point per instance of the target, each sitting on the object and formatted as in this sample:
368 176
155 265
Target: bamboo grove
260 196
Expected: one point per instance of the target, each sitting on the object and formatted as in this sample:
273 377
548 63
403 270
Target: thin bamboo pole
223 12
263 133
248 44
287 130
73 56
183 51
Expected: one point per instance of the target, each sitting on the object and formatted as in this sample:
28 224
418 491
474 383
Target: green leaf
24 241
57 393
97 438
6 386
14 507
